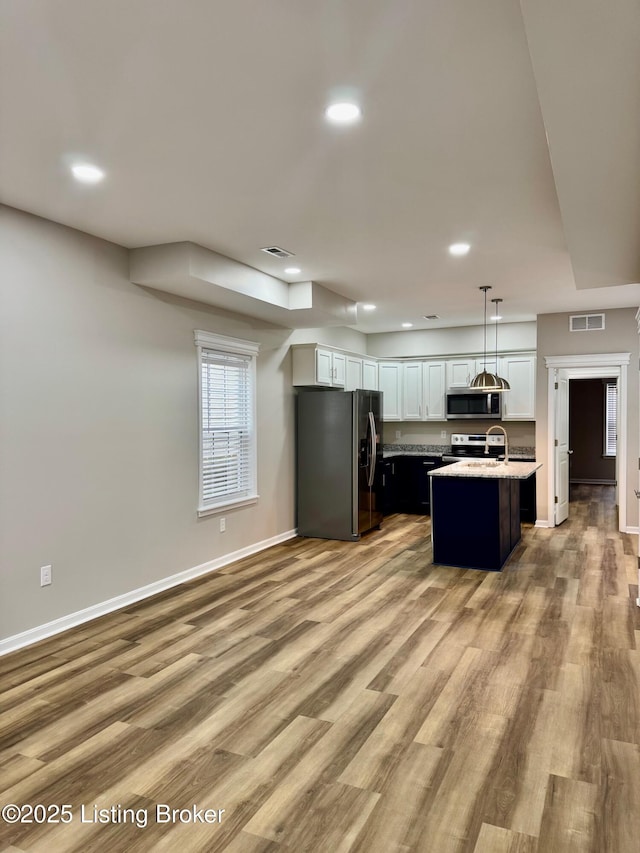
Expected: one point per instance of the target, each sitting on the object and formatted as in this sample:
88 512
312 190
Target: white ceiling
512 125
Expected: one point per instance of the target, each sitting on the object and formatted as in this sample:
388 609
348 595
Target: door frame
590 366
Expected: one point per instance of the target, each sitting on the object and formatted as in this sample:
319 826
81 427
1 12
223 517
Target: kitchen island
475 512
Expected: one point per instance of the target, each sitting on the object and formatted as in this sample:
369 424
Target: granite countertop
522 454
489 470
414 450
386 454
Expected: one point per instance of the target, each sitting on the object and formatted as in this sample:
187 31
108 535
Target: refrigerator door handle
372 461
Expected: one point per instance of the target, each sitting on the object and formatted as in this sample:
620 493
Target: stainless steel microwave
473 405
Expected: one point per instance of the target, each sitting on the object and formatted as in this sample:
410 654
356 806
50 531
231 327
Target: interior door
562 451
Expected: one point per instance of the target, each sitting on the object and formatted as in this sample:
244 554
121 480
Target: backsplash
431 434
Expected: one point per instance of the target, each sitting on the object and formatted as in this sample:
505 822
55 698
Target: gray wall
455 341
333 336
99 447
554 338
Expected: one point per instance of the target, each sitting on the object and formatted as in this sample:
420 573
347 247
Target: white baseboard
630 529
41 632
543 522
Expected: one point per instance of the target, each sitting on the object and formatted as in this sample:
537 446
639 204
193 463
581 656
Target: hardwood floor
335 696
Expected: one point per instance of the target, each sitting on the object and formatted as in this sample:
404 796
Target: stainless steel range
465 446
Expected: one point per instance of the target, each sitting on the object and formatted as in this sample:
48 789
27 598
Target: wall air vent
277 252
586 322
431 316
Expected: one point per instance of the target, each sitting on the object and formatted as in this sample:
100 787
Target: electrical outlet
45 575
443 433
223 525
398 433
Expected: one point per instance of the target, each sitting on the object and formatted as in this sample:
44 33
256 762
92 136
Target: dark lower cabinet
405 484
388 477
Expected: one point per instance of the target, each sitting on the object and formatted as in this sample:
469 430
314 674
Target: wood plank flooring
337 697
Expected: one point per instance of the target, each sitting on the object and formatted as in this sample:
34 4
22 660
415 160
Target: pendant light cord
485 331
485 287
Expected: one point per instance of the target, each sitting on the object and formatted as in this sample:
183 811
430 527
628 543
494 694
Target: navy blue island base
475 521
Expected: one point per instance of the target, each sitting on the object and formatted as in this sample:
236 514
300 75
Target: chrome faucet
506 442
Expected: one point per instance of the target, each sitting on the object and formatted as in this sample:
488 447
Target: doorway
561 370
592 431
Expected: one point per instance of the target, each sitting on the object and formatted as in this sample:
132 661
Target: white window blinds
610 418
227 423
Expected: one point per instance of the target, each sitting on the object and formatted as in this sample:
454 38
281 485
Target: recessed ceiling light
86 173
368 307
459 249
292 270
344 112
407 325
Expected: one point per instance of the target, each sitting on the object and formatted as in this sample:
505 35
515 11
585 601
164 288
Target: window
610 417
227 422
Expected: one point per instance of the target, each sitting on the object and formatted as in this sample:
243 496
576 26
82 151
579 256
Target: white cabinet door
353 378
434 391
324 367
412 391
370 375
460 372
519 404
389 373
491 364
339 369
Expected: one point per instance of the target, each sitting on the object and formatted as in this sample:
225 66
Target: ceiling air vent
431 316
586 322
277 252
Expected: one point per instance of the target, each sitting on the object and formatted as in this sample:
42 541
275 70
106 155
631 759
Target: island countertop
488 469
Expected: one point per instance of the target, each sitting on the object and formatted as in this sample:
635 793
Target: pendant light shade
485 381
504 385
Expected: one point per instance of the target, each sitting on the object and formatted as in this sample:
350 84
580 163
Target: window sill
235 504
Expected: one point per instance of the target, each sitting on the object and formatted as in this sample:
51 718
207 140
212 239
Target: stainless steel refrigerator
338 451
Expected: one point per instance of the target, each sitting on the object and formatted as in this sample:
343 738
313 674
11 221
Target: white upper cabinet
423 391
519 404
369 375
315 365
390 383
460 372
353 374
339 364
416 390
412 407
433 391
324 367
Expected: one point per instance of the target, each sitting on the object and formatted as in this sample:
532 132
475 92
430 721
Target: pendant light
504 385
485 381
